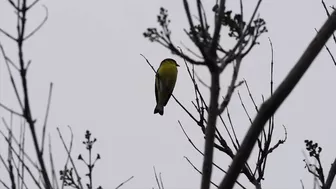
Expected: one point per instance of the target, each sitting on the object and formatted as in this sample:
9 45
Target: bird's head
170 61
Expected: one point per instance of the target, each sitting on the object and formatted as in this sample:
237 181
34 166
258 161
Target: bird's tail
158 109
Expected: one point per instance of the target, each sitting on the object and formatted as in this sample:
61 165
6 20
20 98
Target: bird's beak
177 65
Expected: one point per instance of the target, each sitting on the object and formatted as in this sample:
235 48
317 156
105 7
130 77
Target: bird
165 80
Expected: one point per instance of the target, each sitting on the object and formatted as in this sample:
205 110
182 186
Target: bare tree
216 58
19 165
22 35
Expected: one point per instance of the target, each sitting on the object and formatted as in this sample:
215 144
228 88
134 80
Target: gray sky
90 51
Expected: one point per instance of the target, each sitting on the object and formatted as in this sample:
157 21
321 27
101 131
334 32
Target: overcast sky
90 50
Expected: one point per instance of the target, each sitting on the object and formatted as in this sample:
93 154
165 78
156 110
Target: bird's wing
169 87
157 86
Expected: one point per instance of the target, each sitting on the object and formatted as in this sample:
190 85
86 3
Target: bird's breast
168 72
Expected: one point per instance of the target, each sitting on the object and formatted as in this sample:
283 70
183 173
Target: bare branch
7 60
331 176
10 155
201 20
251 97
201 81
328 14
41 24
216 34
4 184
22 140
33 4
200 171
228 132
46 117
13 4
302 185
156 178
329 52
210 131
189 50
161 182
331 55
236 144
10 110
53 172
245 110
231 88
281 141
8 35
192 28
4 163
121 184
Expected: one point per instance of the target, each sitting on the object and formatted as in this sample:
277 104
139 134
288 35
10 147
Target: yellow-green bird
164 83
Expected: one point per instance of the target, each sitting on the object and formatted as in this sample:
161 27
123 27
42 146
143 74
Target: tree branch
210 131
218 25
331 176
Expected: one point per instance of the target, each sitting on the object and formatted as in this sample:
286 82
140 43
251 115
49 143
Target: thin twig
328 14
161 182
7 60
302 185
10 155
4 184
232 128
53 170
22 146
218 26
243 105
329 52
200 172
41 24
201 20
192 28
13 4
189 50
232 86
10 110
251 97
33 4
156 178
121 184
7 34
46 117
